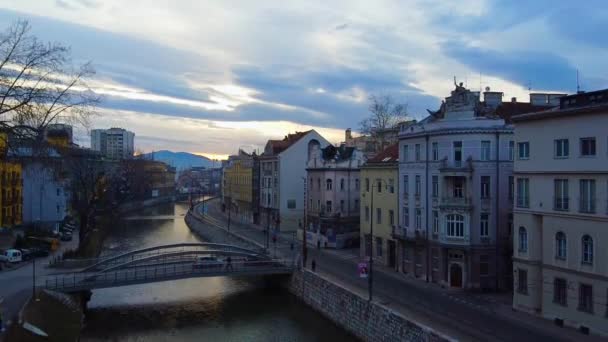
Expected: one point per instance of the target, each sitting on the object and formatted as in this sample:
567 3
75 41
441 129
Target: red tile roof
278 146
389 155
506 110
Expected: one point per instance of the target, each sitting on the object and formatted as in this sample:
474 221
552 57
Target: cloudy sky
211 76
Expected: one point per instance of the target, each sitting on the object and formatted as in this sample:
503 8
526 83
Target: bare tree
39 85
384 113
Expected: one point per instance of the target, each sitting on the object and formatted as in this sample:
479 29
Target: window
341 184
511 150
523 150
378 215
328 206
511 187
367 184
379 246
560 194
391 217
291 204
585 298
485 150
357 184
457 152
560 246
357 205
435 149
523 240
523 192
587 249
417 152
485 186
406 216
342 206
366 214
406 186
328 184
587 199
418 218
391 186
522 281
562 148
484 265
378 185
417 186
587 147
560 291
435 186
311 183
406 153
484 221
455 225
435 222
458 187
319 183
58 191
319 205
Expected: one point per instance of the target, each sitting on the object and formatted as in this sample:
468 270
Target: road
460 315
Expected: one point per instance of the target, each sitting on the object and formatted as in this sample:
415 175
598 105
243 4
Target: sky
210 77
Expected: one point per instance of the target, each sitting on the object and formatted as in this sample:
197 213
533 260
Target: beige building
561 213
380 175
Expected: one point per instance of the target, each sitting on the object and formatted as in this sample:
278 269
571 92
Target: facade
113 143
238 187
561 213
380 176
11 187
45 195
455 206
332 195
283 177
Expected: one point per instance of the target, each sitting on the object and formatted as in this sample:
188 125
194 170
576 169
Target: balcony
456 167
465 203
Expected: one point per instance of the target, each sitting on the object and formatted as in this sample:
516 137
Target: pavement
16 283
461 314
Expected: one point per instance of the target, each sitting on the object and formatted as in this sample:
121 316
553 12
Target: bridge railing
89 280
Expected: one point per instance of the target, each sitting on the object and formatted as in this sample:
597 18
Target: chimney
348 135
514 99
492 98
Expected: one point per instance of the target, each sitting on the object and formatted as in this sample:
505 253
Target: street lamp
304 246
370 276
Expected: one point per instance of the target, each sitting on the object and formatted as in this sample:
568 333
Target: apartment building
283 177
455 173
113 143
240 187
332 194
379 177
561 213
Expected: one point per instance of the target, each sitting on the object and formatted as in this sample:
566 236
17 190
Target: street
458 314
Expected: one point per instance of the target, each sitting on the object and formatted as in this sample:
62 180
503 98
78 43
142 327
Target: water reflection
220 309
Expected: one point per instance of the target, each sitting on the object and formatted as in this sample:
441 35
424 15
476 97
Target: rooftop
277 146
389 155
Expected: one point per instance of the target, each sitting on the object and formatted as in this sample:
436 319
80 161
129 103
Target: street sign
363 269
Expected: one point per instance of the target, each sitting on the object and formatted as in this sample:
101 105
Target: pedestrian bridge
169 262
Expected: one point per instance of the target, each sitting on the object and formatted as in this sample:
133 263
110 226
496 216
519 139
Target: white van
11 255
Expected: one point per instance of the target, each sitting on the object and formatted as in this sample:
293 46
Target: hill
181 160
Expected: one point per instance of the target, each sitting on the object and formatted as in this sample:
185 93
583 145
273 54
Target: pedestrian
314 265
229 263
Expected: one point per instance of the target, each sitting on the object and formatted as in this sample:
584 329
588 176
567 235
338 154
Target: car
11 256
31 253
65 236
205 262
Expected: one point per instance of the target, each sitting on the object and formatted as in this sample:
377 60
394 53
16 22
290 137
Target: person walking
314 265
229 264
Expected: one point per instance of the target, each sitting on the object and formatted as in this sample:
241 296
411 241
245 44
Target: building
283 177
455 207
332 195
147 179
113 143
11 187
561 212
45 195
379 176
240 193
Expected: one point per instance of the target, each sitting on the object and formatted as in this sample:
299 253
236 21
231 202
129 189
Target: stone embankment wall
136 205
369 322
218 235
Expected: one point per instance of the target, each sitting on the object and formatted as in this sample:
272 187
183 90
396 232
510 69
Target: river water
200 309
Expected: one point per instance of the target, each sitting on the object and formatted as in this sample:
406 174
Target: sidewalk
469 316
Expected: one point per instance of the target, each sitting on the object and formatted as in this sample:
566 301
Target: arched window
342 184
455 225
587 249
328 184
560 245
523 239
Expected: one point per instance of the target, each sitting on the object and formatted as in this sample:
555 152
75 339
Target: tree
39 85
384 113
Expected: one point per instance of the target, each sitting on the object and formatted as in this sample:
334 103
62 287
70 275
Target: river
201 309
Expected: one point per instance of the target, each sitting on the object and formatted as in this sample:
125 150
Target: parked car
31 253
11 255
66 236
203 262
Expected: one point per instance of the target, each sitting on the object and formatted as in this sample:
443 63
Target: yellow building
379 177
11 188
238 187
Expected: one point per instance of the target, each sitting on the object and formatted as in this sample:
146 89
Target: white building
45 195
455 204
282 177
561 213
114 143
